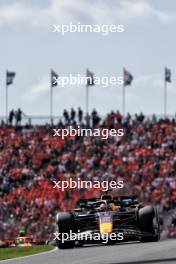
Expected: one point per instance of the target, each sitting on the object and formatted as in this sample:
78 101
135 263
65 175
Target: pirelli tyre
149 224
65 223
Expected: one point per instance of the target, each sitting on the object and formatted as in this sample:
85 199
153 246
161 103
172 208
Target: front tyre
65 223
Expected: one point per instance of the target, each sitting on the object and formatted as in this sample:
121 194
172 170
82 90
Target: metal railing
43 120
35 120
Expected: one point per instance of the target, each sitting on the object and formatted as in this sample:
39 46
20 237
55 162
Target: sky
29 47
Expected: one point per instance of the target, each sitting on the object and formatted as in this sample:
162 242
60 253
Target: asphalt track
127 253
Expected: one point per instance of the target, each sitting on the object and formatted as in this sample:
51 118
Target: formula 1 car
122 216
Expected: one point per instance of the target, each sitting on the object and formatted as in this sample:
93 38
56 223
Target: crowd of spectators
15 117
31 159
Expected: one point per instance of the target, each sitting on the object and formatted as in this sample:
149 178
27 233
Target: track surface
129 253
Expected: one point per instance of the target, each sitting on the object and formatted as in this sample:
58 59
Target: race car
94 219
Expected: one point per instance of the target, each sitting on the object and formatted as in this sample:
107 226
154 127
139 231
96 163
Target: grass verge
14 252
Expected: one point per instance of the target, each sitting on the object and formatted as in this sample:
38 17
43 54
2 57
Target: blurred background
30 158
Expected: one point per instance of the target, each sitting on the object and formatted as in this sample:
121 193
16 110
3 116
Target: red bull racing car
107 220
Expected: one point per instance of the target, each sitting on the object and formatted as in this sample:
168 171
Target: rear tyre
65 222
149 222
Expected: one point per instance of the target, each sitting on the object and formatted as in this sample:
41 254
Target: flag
167 75
9 77
127 77
90 77
54 77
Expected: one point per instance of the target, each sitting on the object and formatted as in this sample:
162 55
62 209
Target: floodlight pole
123 99
87 99
51 100
165 98
6 87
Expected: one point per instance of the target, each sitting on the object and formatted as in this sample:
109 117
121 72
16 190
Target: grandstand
30 159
